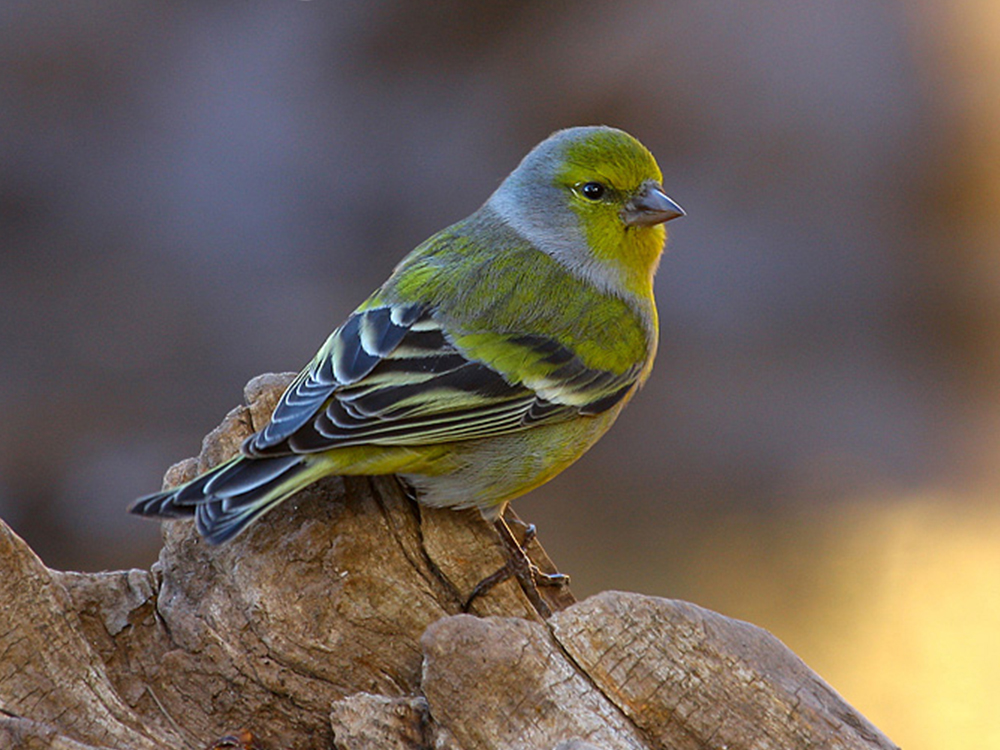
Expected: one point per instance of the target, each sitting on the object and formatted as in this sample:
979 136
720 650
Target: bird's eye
592 191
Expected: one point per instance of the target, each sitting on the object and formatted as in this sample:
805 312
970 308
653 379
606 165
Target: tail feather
160 504
227 499
240 478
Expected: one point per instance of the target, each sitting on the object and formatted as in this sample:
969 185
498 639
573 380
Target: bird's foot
541 579
519 566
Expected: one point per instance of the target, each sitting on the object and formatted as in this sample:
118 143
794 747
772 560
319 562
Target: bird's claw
519 566
557 580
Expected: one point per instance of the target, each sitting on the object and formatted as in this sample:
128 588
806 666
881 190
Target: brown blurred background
195 193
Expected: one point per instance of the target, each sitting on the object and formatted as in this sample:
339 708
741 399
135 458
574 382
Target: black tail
227 499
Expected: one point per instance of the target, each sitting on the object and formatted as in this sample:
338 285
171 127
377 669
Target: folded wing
392 376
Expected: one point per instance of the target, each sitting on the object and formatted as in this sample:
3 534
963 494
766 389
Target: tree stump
337 622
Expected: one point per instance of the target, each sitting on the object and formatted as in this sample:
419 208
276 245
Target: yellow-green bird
493 357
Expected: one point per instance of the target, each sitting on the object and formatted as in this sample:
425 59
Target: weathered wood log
337 621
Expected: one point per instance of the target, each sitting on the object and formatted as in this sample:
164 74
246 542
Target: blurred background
195 193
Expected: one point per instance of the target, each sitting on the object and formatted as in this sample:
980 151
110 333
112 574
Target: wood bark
337 622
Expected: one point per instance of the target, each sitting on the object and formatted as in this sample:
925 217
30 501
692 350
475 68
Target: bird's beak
650 206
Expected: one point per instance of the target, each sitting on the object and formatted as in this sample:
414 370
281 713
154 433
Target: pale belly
487 474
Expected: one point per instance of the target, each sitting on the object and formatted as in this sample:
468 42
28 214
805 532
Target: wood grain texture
337 621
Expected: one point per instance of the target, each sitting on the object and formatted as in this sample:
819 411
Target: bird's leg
407 489
520 567
541 578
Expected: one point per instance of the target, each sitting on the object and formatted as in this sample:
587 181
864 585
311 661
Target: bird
496 353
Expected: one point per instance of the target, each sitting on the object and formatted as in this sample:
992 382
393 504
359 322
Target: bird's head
591 197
